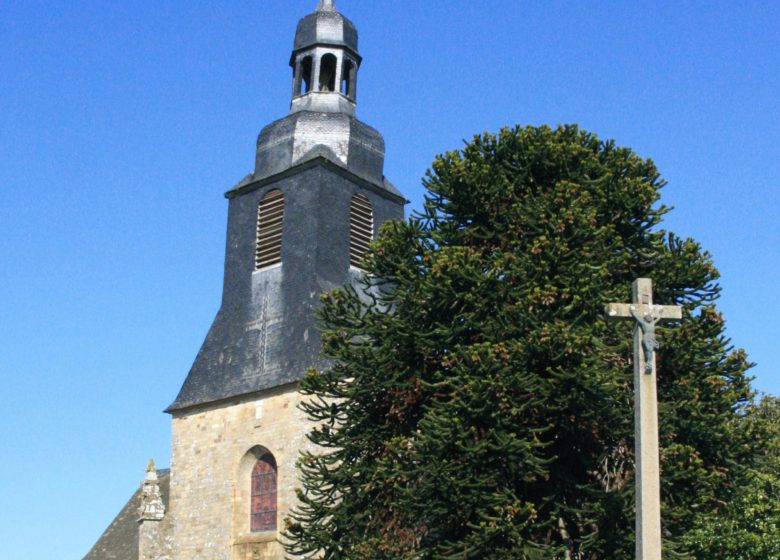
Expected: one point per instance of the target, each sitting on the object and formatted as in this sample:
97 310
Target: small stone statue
649 342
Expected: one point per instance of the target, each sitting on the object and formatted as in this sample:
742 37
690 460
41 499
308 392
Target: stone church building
297 226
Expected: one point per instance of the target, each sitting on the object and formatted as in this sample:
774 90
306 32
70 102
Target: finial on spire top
326 6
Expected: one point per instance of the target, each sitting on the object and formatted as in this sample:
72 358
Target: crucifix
648 493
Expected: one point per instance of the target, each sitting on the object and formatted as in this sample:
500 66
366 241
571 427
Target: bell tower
297 226
324 61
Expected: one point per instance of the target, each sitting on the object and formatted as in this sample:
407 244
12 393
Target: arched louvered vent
361 228
270 214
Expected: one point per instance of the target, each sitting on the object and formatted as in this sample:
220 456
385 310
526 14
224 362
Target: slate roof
120 540
326 26
343 139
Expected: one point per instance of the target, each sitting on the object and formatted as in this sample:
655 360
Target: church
298 226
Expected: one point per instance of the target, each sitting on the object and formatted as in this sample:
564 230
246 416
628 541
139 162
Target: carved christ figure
649 343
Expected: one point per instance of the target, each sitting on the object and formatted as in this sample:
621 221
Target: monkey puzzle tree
479 405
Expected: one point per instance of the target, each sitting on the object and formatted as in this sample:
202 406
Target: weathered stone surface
648 482
152 507
213 452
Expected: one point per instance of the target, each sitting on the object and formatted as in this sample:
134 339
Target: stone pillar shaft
648 492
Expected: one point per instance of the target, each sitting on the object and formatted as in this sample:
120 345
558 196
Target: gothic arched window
361 228
270 215
263 509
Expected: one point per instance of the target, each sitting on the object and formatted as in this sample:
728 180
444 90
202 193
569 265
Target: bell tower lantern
325 62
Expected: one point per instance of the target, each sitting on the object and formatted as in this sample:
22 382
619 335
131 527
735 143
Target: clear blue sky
122 124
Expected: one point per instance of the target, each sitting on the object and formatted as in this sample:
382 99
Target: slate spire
309 165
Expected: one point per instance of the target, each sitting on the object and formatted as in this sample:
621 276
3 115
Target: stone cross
648 493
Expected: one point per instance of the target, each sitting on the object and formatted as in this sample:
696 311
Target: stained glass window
263 516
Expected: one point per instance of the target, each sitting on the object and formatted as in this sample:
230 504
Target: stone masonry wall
155 540
213 452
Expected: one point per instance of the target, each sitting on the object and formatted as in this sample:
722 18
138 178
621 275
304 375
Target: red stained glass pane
256 485
263 505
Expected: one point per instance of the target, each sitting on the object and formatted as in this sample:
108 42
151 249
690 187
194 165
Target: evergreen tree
479 406
746 526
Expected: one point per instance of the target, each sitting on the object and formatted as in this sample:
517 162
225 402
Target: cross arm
623 311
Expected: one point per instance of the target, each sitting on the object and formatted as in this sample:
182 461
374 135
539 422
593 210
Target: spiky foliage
479 406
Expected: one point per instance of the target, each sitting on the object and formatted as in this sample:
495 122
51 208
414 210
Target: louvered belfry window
263 516
270 214
361 228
